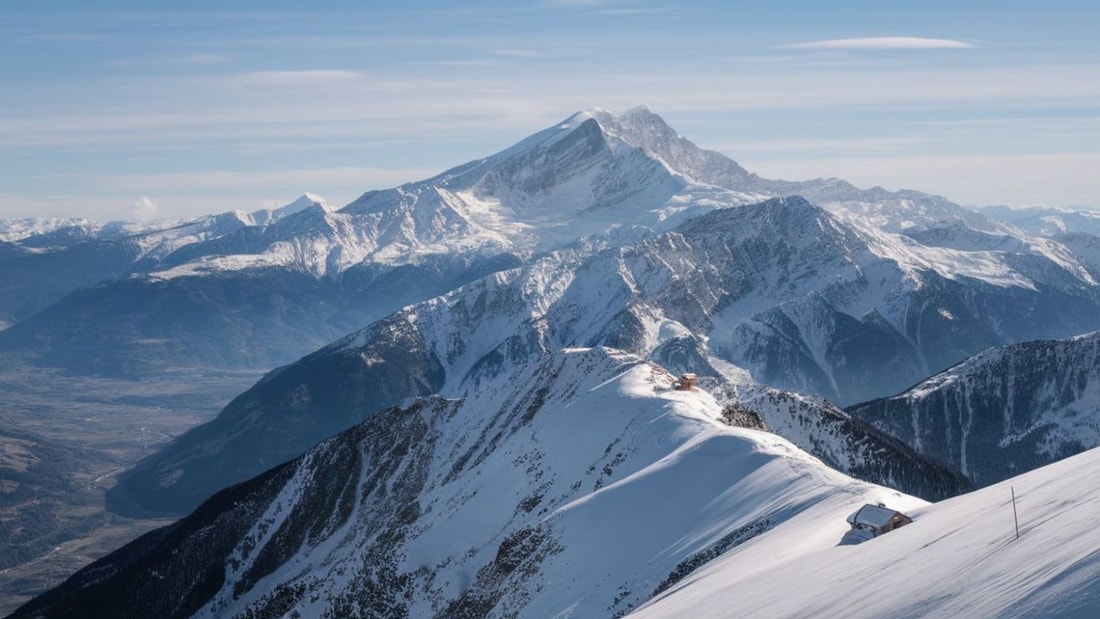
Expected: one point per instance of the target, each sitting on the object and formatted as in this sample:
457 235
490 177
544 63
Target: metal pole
1014 517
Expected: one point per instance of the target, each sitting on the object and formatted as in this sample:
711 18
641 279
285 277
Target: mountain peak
613 121
304 201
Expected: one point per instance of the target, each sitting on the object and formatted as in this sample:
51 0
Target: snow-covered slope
959 558
1001 412
577 486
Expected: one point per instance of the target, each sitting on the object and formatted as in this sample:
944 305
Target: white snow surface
959 558
628 479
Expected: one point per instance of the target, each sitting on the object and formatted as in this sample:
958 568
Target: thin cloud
144 209
471 62
1043 178
581 3
881 43
631 12
516 53
300 78
796 145
185 60
362 178
70 36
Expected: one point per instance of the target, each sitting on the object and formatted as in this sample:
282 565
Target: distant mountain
33 280
314 273
1048 220
1005 411
48 259
581 483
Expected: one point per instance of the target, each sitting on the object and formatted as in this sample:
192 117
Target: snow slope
575 487
959 558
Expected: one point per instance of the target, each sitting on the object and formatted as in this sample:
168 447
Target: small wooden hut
877 519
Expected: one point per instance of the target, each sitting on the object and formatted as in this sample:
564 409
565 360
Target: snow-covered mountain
1002 412
1048 220
593 173
581 484
779 293
959 558
43 260
313 273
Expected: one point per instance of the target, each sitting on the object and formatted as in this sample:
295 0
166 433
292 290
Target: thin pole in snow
1014 517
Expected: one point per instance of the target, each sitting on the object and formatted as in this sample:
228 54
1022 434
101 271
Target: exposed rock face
1005 411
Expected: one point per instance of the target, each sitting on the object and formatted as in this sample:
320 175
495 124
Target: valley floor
65 438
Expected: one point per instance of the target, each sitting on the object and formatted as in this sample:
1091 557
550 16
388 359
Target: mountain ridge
483 505
1004 411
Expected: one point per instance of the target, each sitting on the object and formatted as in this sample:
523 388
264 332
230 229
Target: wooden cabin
877 519
686 382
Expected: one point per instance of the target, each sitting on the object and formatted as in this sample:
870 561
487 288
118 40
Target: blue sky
117 110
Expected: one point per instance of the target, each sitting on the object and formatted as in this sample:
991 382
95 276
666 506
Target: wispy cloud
187 194
185 60
881 43
634 11
312 179
1048 178
584 3
312 77
469 62
144 209
71 37
325 104
821 144
516 53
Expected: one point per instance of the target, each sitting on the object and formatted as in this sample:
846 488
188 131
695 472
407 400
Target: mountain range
255 290
503 437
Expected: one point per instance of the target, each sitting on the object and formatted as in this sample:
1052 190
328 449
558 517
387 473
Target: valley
63 438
